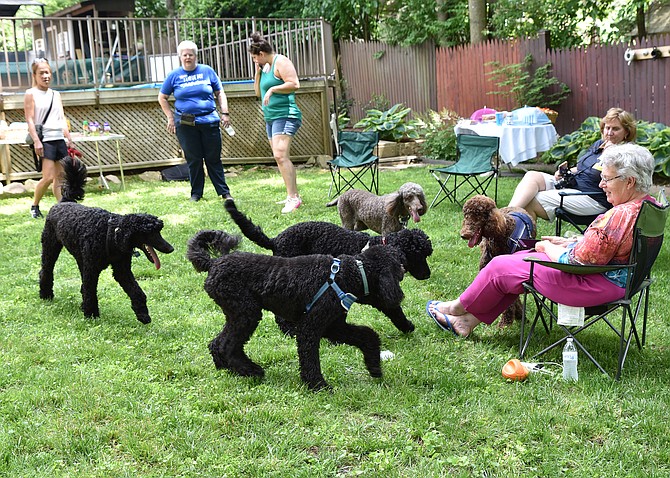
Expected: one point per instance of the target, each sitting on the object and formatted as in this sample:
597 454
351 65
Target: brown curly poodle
496 231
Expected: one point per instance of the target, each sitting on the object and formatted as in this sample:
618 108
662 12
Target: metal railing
101 52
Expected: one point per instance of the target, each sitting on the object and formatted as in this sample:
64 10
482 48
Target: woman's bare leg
532 183
524 195
52 172
281 148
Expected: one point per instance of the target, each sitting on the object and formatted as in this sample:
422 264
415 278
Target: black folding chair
578 221
355 162
647 241
475 169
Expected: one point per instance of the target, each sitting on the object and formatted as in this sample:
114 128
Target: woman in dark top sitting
538 194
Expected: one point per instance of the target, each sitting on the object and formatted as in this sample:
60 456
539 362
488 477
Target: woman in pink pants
626 179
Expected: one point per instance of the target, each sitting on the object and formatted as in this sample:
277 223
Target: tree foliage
445 22
416 21
350 19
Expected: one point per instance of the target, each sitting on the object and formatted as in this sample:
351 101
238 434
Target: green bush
438 130
526 89
392 124
653 136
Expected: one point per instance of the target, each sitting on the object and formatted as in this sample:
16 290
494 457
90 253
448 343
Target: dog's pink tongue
474 240
154 256
415 216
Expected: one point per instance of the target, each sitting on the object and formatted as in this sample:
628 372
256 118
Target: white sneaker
291 204
283 201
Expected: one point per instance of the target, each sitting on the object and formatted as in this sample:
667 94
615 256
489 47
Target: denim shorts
287 126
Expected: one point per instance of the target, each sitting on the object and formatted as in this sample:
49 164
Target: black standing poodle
303 290
316 237
97 239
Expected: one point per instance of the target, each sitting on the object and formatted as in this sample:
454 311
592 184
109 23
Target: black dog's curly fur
97 239
244 284
316 237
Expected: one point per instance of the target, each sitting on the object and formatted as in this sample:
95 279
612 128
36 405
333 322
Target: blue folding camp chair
355 160
476 167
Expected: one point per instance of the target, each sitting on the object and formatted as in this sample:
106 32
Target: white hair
631 161
187 45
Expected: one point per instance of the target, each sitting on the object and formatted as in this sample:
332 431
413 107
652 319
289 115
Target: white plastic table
518 143
90 138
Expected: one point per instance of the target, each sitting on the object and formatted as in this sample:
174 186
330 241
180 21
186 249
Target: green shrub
438 130
526 89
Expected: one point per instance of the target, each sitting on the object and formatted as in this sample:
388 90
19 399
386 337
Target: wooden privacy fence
399 75
456 78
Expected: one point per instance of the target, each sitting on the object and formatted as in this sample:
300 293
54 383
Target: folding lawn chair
476 167
578 221
647 241
355 160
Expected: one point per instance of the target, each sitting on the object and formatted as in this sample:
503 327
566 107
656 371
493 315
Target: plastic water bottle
570 361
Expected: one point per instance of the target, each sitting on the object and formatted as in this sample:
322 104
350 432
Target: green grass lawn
112 398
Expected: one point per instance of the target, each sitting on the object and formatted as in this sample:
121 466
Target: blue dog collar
346 299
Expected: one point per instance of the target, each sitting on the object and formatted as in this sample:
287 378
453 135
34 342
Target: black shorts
55 150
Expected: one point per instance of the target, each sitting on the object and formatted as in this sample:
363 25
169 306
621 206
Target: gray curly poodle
360 210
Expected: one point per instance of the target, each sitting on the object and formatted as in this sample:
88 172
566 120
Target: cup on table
500 116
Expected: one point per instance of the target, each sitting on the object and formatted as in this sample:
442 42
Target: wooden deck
135 113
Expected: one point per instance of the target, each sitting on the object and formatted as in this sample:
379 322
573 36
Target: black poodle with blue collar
301 291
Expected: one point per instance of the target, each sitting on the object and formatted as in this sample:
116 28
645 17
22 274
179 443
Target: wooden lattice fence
135 113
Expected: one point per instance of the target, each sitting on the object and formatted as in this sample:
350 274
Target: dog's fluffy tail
75 178
250 230
201 247
333 202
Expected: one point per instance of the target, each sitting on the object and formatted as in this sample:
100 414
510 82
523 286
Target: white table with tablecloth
518 143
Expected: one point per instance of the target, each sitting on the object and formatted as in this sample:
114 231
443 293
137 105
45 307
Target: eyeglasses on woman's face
605 180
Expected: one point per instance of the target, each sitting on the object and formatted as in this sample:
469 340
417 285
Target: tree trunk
639 21
477 9
441 16
169 4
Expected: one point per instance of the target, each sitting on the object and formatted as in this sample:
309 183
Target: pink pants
498 285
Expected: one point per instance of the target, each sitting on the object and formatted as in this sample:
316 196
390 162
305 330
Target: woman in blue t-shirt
538 194
197 89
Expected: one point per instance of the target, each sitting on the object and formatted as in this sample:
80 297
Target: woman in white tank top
42 105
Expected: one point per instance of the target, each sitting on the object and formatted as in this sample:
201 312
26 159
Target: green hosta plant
653 136
392 124
572 145
656 138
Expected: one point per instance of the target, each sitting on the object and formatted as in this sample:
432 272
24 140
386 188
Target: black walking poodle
314 237
311 292
97 239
